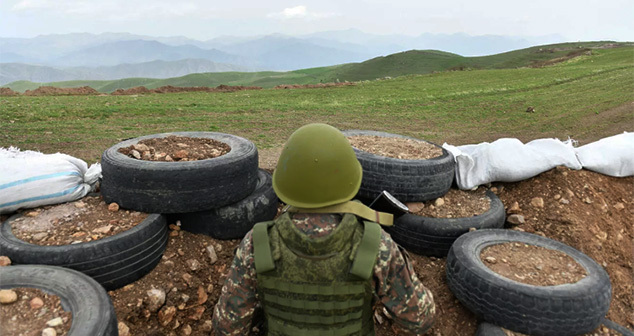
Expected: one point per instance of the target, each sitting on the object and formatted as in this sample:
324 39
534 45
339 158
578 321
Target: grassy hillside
405 63
586 98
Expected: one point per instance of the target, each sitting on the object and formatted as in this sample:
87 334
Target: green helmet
317 168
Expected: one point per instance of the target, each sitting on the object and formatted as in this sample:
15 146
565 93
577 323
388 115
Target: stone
49 332
32 213
415 207
174 233
515 219
39 236
36 303
156 299
213 257
177 324
490 260
8 296
56 322
619 206
103 229
114 207
193 264
169 158
439 202
174 227
197 313
135 154
181 154
80 205
188 278
569 193
141 147
210 288
207 326
202 295
557 197
186 330
494 190
147 156
5 261
537 202
124 330
514 208
182 145
564 201
166 315
587 200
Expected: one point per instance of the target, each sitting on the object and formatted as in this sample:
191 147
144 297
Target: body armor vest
316 286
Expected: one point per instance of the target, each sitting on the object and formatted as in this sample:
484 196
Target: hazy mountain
10 72
138 51
270 52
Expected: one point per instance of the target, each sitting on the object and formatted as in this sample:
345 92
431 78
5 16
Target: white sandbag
612 156
31 179
509 160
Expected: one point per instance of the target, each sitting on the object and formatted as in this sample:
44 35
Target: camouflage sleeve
234 311
410 304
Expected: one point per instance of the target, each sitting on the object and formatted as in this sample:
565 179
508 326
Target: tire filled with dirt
179 186
91 307
406 180
235 220
113 261
563 309
434 236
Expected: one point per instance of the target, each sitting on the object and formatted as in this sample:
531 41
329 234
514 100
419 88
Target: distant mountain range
414 62
84 56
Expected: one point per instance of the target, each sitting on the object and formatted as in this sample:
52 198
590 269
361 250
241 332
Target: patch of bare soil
398 148
455 204
55 91
533 265
312 86
31 312
570 55
178 296
4 91
176 148
82 221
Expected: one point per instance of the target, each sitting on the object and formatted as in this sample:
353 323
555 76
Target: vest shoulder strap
262 248
364 261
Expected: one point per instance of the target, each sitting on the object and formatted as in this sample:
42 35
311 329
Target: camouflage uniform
395 284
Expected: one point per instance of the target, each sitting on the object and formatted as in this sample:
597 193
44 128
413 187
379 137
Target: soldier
319 268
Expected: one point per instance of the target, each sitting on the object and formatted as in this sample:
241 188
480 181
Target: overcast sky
202 19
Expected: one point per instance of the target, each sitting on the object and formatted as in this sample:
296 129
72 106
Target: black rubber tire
434 236
92 309
569 309
235 220
406 180
176 187
113 261
488 329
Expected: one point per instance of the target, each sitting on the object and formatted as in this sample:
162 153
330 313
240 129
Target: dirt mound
177 89
4 91
55 91
311 86
131 91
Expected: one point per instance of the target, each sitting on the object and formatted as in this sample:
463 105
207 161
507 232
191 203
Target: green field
587 98
414 62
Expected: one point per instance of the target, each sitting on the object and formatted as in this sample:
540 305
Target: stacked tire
222 197
419 181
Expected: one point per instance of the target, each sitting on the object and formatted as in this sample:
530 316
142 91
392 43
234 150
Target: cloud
300 12
117 10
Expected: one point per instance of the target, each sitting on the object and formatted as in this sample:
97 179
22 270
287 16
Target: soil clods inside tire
455 204
32 312
176 148
398 148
